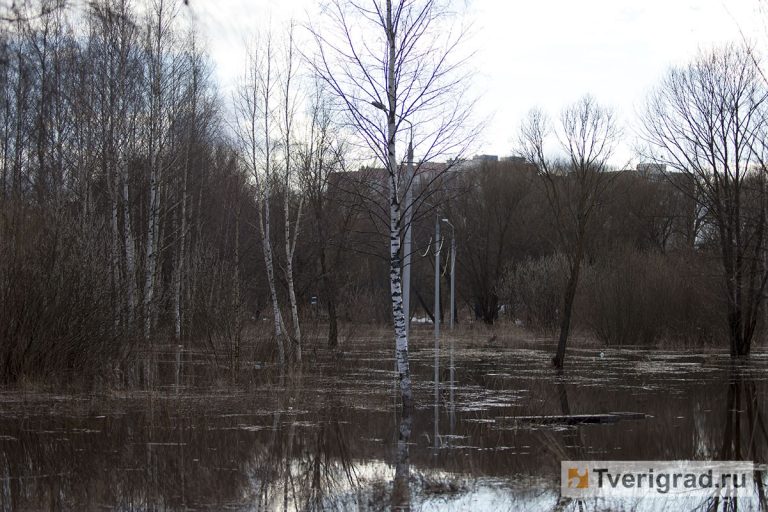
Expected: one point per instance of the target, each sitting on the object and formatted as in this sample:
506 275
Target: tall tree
399 57
575 187
260 138
322 158
287 121
708 121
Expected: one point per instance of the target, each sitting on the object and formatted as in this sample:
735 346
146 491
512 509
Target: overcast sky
543 53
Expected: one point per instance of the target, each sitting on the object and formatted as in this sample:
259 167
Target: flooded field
327 437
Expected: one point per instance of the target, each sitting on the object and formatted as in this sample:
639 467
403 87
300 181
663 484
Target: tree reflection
744 433
401 492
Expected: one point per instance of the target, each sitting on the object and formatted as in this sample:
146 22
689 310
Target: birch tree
399 58
289 104
113 49
158 40
257 136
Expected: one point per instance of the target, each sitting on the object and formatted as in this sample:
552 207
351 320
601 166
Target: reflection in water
324 438
401 492
744 433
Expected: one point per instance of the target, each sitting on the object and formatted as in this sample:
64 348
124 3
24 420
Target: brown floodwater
331 437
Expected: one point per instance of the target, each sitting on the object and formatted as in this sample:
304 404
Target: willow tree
393 64
707 120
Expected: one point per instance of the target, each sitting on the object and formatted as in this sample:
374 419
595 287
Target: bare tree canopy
707 121
575 187
400 57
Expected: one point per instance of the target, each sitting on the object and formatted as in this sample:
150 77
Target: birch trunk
115 248
395 269
401 491
290 247
151 250
290 242
180 257
156 126
265 220
130 251
269 263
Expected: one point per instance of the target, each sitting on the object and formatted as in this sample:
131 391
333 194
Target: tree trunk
266 245
395 268
568 300
423 304
151 250
290 247
330 296
130 252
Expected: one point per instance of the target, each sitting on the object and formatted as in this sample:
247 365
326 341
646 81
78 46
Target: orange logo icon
578 480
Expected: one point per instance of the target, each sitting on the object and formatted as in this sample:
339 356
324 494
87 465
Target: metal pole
407 240
437 283
453 308
437 318
453 275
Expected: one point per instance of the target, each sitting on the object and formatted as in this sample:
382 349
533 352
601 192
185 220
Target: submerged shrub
54 295
632 297
534 289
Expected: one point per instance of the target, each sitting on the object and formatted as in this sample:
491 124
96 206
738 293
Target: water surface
331 436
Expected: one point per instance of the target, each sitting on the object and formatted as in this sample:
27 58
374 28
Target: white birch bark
158 36
290 241
395 269
290 247
115 246
265 220
255 131
130 250
150 252
266 244
180 258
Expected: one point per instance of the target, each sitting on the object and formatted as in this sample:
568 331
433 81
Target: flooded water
331 437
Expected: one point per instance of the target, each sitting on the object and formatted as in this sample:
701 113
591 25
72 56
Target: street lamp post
437 329
453 270
407 236
437 282
437 305
453 308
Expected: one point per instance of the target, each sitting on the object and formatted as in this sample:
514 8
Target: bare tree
707 120
399 57
575 186
256 136
322 157
287 121
265 117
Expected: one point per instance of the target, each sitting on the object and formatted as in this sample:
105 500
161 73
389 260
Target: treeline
134 213
647 276
121 198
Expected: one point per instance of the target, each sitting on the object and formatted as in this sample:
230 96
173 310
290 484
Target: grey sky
543 53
